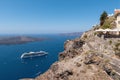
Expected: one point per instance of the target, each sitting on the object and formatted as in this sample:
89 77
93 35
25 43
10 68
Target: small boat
33 54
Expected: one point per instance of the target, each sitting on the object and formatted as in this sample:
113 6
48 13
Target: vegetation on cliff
103 17
107 21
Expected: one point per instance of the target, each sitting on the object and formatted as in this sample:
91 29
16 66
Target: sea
12 67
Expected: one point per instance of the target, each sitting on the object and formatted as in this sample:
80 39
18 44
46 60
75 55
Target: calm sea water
14 68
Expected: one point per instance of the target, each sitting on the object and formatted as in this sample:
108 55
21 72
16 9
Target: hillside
89 57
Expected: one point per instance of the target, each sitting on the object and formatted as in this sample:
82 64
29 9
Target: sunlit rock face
86 58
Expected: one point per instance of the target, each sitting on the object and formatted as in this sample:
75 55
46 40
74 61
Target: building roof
117 12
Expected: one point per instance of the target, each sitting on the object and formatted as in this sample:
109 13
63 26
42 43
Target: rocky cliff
87 58
90 57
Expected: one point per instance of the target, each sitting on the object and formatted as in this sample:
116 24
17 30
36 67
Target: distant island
72 34
18 40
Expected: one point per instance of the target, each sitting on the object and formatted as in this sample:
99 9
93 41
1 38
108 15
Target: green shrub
110 42
117 45
107 61
95 33
85 36
103 17
117 50
106 25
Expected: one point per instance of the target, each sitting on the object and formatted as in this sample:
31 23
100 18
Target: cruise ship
33 54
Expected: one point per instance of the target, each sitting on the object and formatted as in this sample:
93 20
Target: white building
117 14
116 30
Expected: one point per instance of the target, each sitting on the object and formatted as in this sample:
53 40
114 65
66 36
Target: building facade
117 14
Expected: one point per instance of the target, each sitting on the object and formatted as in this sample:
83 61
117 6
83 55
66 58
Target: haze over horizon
51 16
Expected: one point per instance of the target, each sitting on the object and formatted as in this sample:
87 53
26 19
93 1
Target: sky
52 16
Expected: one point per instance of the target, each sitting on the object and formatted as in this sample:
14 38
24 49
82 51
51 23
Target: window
118 22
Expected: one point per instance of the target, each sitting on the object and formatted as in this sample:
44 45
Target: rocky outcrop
90 57
86 58
72 49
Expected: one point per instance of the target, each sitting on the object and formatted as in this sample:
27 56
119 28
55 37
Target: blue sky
51 16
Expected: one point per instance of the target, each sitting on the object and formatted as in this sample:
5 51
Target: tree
103 17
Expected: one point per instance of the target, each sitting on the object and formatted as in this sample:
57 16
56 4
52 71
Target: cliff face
87 58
